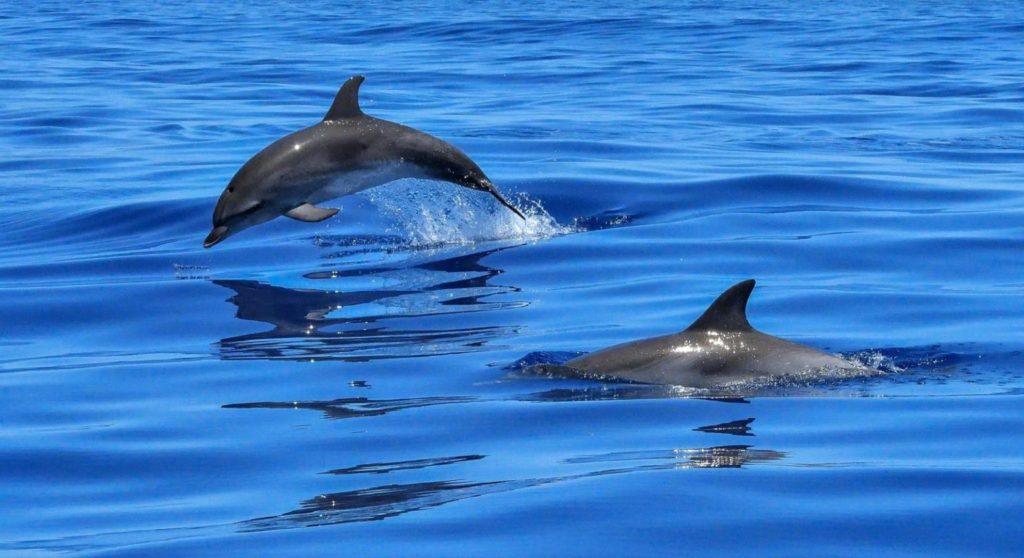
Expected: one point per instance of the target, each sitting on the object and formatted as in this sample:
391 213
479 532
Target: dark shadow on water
736 428
353 407
383 501
293 311
393 466
373 504
357 407
391 500
359 325
715 457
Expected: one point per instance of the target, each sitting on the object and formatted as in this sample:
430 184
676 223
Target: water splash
429 214
821 380
875 360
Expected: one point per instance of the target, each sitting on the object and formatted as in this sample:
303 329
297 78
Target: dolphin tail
489 188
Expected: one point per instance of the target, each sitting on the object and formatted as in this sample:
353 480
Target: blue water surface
357 386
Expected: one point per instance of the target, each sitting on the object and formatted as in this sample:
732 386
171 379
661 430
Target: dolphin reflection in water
391 500
380 502
360 325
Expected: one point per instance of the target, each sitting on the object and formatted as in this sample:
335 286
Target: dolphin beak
215 236
489 188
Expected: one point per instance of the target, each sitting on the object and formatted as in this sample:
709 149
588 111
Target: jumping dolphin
719 348
346 152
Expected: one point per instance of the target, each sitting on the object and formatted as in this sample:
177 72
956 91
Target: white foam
432 214
820 378
875 360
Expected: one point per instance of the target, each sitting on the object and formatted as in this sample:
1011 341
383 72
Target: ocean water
357 386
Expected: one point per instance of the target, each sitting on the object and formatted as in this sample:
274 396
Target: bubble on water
820 380
875 360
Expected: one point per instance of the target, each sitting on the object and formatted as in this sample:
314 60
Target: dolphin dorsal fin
728 312
346 102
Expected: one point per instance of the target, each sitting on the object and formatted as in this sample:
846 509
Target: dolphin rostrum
346 152
719 348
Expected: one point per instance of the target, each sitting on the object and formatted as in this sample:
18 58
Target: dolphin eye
231 188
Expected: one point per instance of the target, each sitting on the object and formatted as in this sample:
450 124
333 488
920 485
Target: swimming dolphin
346 152
719 348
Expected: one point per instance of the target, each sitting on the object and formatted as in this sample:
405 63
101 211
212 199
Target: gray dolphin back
720 347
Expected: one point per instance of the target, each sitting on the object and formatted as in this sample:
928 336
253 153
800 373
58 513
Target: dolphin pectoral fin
311 213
